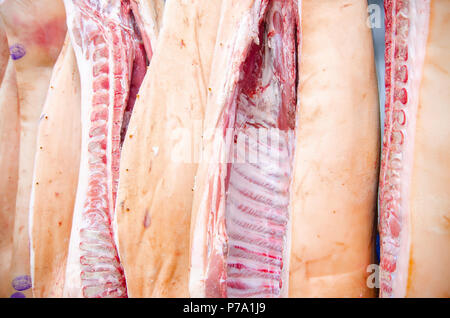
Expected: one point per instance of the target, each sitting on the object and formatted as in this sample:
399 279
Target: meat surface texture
275 145
35 31
241 208
158 161
334 186
9 158
55 177
223 149
414 179
257 197
101 34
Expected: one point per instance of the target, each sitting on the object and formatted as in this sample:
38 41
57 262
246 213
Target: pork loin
102 36
415 177
112 62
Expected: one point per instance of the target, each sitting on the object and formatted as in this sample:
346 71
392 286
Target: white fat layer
53 80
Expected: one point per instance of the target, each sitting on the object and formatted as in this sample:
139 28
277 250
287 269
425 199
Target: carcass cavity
259 174
140 63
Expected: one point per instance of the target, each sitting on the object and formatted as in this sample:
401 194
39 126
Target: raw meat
337 145
35 31
158 160
415 177
101 36
9 158
148 14
241 208
112 63
55 177
278 139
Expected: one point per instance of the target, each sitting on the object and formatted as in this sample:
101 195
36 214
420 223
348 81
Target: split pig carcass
415 177
112 62
9 159
35 31
57 161
241 162
285 195
159 154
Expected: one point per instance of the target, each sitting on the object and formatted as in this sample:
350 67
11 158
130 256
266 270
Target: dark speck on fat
147 220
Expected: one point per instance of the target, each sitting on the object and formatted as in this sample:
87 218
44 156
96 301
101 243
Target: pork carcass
158 165
334 186
35 31
55 177
9 159
415 175
111 62
285 193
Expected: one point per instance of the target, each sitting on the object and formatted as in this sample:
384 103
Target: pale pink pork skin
35 31
55 178
158 163
9 159
336 167
290 89
415 177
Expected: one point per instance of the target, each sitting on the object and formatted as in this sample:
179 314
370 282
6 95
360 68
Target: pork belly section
155 190
35 32
55 179
337 142
414 180
9 157
241 230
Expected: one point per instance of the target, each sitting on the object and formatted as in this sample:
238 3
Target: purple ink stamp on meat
17 51
21 283
18 295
